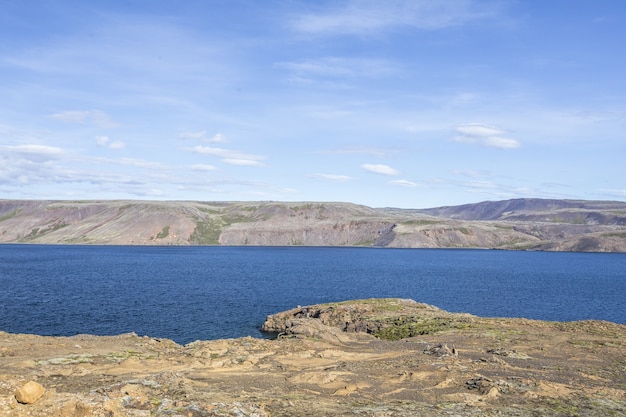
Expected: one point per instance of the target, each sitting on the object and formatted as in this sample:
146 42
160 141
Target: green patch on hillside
37 232
208 231
10 215
163 233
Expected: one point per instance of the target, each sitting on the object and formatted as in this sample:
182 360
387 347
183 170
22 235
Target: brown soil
329 363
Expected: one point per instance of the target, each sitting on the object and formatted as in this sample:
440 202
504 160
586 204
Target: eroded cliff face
588 226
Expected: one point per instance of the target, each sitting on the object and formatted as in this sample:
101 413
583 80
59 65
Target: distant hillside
533 209
533 224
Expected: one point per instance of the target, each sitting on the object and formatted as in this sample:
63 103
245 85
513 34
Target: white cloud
203 167
35 153
106 141
332 177
340 67
404 183
229 156
96 117
362 17
242 162
478 130
484 135
202 137
138 163
380 169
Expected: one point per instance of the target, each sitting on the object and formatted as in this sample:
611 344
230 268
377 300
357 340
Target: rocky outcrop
512 224
327 362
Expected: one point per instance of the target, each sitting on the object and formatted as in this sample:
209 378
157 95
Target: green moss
163 233
403 327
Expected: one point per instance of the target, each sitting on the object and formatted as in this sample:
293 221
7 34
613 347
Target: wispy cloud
615 193
96 117
484 135
243 162
137 163
339 67
403 183
380 169
203 167
371 151
229 156
332 177
362 17
472 173
106 142
202 137
35 153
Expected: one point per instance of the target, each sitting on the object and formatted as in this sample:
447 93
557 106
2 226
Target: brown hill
569 225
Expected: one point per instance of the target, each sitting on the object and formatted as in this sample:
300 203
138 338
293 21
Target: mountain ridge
529 224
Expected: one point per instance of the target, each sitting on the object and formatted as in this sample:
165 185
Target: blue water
191 293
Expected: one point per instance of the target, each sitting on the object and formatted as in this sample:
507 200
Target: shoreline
328 362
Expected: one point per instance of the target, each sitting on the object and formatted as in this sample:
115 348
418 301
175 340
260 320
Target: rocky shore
378 357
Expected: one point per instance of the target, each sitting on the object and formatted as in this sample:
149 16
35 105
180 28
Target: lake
197 293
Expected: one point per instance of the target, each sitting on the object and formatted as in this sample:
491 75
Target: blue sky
414 103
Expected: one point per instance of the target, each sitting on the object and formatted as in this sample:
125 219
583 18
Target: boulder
29 392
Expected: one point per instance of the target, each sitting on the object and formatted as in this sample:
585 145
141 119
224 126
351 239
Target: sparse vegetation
615 234
525 226
163 233
9 215
407 326
419 222
207 232
36 232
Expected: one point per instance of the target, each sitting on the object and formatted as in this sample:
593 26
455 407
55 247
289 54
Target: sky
394 103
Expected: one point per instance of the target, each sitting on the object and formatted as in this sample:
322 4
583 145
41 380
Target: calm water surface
190 293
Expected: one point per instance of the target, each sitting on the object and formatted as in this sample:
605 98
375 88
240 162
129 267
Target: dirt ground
463 366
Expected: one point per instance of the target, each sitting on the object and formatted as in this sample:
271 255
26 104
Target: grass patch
36 232
378 304
419 222
402 327
207 232
10 215
163 233
615 234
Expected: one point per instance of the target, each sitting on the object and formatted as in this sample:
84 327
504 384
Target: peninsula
376 357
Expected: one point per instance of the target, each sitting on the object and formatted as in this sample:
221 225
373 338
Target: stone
29 392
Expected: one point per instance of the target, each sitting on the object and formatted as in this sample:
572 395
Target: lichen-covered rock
29 392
